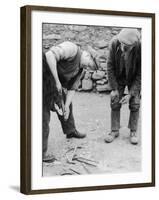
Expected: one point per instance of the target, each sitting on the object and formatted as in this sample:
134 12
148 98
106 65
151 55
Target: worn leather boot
133 137
76 134
111 136
49 158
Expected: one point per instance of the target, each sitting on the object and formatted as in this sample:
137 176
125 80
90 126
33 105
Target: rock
101 82
69 35
108 32
92 51
101 44
87 75
101 56
108 35
106 53
114 32
103 66
87 84
77 28
52 37
83 37
97 75
116 29
103 88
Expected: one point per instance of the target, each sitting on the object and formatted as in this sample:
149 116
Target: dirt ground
92 116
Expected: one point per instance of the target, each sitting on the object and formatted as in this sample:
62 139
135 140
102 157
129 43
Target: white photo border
43 183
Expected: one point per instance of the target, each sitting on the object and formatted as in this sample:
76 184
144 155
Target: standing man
63 68
124 69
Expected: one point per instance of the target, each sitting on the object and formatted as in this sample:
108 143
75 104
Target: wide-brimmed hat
129 36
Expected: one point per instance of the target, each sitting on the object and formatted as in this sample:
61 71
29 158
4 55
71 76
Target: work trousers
134 105
67 126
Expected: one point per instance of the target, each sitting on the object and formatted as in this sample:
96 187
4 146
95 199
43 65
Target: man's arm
52 62
136 85
69 97
111 66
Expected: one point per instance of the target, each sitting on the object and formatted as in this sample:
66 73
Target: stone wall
96 38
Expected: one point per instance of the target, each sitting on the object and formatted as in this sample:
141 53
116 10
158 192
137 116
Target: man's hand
59 88
125 99
114 96
58 110
66 113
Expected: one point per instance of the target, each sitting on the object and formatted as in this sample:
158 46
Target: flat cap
129 36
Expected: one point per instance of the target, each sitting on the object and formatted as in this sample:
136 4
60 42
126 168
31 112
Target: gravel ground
92 116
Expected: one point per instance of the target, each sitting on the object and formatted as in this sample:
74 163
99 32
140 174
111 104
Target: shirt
68 56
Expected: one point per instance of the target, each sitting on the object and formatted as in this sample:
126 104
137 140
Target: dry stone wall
94 38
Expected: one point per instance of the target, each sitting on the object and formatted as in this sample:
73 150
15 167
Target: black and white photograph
87 118
91 99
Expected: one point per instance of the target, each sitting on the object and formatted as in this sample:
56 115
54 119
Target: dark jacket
116 63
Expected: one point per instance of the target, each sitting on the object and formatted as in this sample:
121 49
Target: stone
103 66
116 29
97 75
114 32
83 37
101 54
77 28
103 88
102 59
87 84
101 44
87 75
101 82
106 53
108 32
92 51
52 37
108 35
69 35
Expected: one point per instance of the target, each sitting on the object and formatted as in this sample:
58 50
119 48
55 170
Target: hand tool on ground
85 161
70 160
